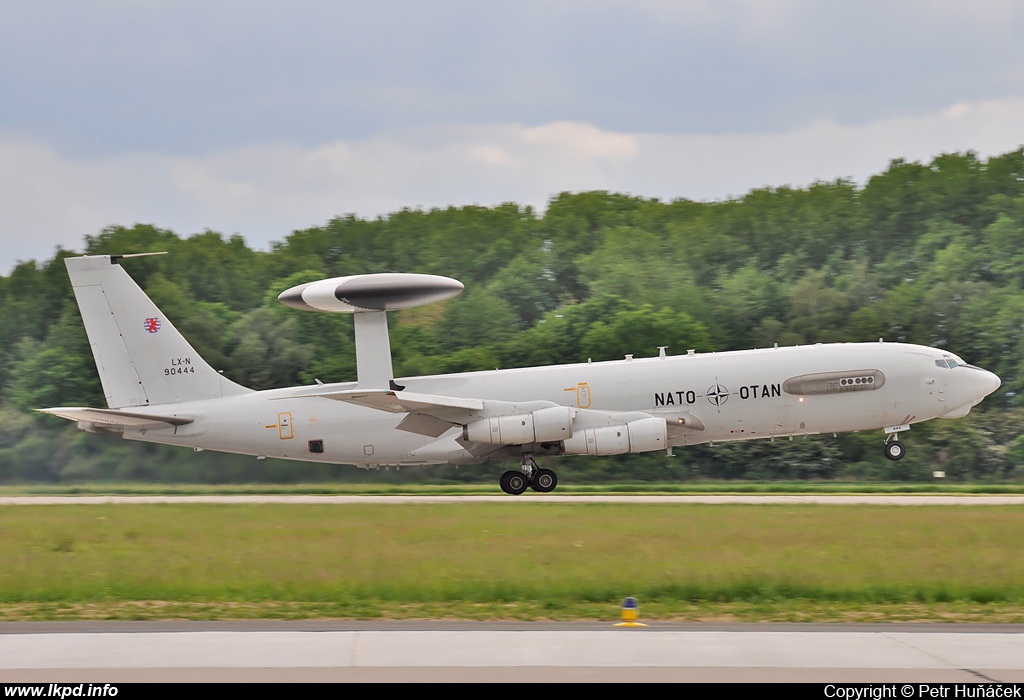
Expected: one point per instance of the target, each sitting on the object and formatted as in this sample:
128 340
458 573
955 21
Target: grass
522 561
651 612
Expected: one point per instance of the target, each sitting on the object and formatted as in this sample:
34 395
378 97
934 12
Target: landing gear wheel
544 481
895 450
513 483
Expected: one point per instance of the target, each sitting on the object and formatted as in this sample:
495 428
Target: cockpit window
950 364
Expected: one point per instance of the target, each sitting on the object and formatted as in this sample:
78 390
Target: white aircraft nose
987 383
972 385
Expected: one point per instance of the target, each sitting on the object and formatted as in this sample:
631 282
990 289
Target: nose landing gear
893 448
529 476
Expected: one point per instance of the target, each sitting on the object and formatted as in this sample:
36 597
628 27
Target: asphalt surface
425 651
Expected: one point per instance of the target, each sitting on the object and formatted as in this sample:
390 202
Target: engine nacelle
644 435
552 424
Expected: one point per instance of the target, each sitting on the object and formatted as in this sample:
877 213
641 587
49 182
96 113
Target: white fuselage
733 396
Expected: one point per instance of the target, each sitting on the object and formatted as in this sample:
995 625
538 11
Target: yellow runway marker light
630 614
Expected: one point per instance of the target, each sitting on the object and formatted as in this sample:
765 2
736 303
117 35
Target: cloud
582 140
193 78
716 166
264 192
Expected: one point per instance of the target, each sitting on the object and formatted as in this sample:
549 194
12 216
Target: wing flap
422 424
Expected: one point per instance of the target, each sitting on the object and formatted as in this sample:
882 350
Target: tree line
921 253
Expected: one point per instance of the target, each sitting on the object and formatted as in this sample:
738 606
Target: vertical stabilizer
141 357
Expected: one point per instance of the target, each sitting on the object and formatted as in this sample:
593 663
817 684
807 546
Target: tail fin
142 359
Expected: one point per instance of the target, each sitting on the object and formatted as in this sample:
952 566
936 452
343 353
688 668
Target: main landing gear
529 476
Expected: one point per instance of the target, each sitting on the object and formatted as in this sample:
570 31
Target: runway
319 651
749 499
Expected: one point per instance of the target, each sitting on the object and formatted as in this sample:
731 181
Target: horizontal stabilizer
116 419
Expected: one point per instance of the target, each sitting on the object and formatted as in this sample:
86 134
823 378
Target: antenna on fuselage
368 298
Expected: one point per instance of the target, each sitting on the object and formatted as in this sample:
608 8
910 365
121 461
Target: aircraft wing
404 401
432 414
112 418
429 414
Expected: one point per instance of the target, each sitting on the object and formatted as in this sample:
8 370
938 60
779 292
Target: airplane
158 389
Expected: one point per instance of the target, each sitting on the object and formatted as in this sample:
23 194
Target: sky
259 118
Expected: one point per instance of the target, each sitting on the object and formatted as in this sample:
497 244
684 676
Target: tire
513 483
544 481
895 450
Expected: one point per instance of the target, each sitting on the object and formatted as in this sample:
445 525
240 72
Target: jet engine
643 435
552 424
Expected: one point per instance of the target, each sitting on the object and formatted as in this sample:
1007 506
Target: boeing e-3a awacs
158 389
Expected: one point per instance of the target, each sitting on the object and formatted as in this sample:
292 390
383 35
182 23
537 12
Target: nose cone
968 386
987 383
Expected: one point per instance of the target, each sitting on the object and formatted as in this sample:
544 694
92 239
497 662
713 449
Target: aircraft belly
748 422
